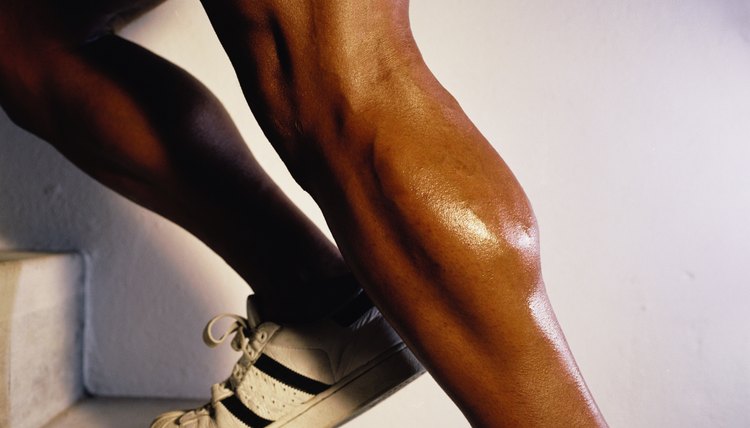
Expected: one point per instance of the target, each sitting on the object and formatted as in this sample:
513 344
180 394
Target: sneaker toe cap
167 420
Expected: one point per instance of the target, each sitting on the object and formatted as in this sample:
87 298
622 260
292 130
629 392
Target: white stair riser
41 320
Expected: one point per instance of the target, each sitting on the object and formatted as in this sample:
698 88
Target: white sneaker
316 375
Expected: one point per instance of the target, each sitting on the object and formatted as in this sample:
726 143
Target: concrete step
41 336
117 412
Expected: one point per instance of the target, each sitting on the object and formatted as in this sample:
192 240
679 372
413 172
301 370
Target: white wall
627 123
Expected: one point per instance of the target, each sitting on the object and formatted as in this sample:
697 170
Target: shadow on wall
141 268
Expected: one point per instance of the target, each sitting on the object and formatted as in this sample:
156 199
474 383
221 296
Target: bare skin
428 215
148 130
430 218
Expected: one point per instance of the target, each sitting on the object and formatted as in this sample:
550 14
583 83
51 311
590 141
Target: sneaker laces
248 339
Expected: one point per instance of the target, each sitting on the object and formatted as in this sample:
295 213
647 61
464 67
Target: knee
86 20
113 14
68 23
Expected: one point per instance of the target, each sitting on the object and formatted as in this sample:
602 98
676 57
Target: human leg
147 129
431 219
150 131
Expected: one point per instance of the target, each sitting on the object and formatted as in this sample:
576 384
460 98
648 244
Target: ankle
310 304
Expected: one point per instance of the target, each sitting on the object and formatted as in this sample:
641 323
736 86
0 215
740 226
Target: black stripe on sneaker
247 416
289 377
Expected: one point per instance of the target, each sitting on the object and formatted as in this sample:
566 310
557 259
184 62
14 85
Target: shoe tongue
253 318
351 312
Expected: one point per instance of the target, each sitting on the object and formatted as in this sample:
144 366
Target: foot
313 375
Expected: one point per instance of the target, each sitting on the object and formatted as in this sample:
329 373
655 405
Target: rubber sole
357 392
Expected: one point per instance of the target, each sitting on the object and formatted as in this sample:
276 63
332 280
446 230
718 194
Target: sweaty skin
428 215
147 129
